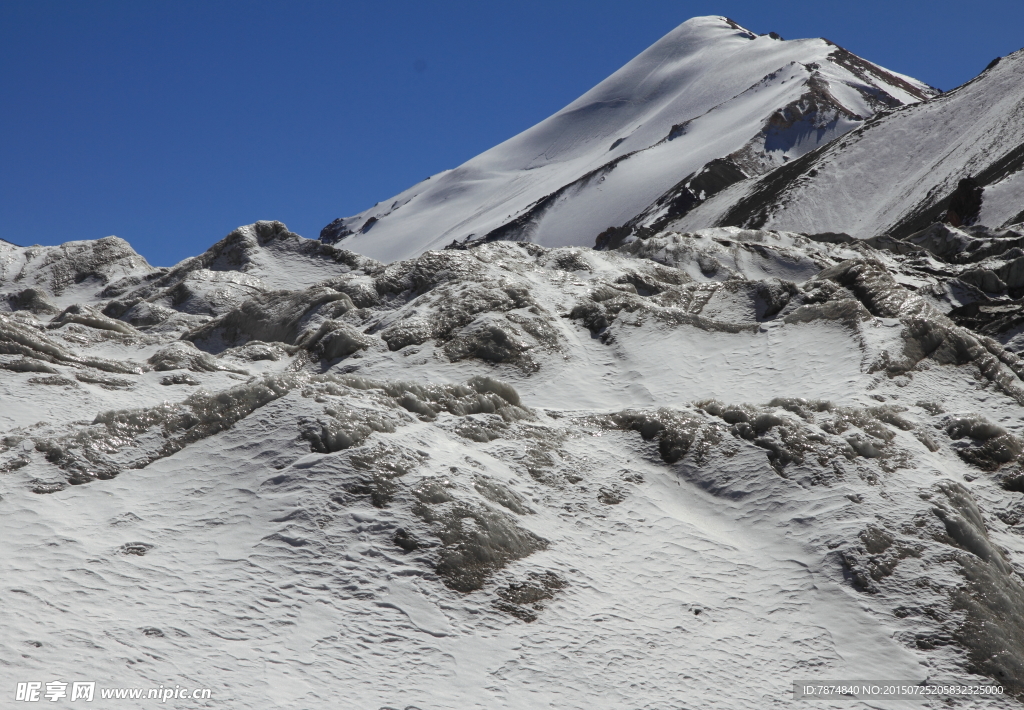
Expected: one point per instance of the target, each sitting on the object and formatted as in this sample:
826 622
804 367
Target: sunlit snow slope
897 174
708 96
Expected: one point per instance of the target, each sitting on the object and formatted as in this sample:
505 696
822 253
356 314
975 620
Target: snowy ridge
897 174
515 476
69 272
709 90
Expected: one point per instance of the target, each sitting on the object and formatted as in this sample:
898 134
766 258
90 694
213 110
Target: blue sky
171 123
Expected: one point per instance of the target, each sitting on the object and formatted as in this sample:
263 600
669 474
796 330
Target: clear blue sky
170 123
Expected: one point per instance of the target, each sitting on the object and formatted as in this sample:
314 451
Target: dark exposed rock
334 232
53 380
179 378
866 70
404 539
99 262
107 383
183 355
676 202
28 365
965 203
524 599
32 300
476 541
92 318
611 496
993 598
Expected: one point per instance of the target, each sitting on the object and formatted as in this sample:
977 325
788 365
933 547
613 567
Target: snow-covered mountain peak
710 90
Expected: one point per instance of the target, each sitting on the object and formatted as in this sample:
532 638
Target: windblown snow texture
691 469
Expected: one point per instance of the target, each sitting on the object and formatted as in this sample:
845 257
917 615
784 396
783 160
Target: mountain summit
709 104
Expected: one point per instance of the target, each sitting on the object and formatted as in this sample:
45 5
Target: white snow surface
709 89
720 471
1003 201
906 160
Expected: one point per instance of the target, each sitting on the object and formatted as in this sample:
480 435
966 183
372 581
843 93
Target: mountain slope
708 92
700 466
901 172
